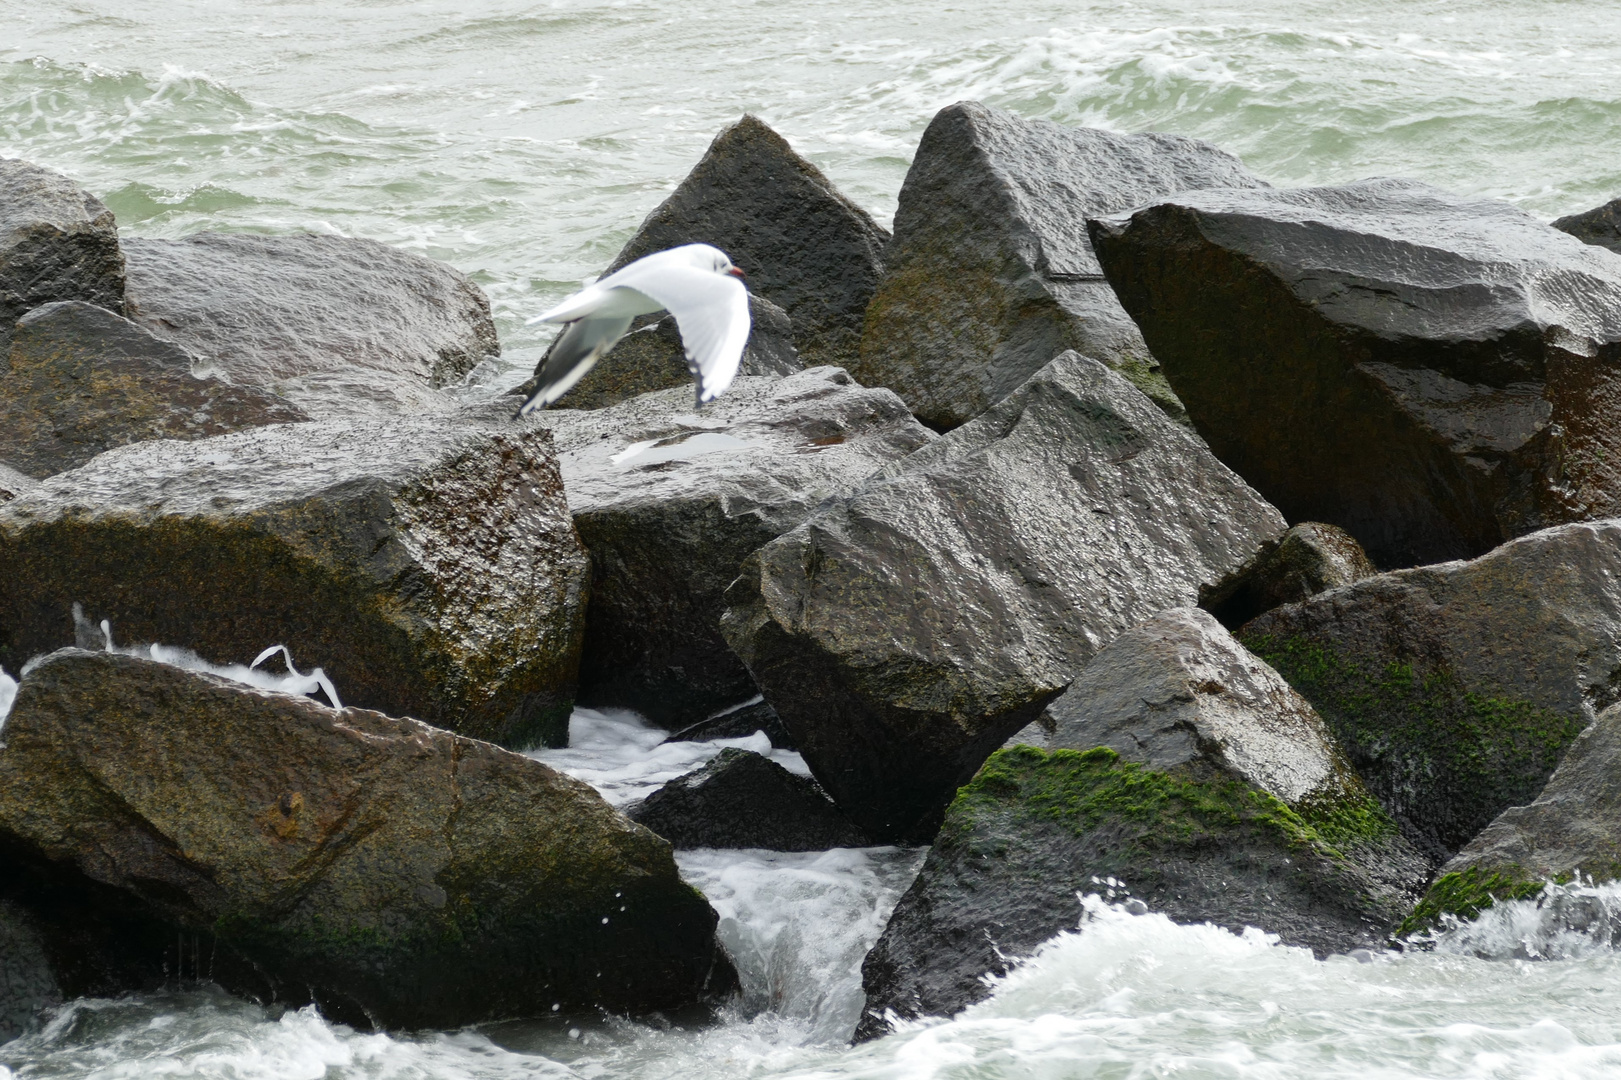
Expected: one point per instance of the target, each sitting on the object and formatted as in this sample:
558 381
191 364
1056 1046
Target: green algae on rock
432 570
394 873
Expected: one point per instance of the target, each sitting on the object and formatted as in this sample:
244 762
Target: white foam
1563 922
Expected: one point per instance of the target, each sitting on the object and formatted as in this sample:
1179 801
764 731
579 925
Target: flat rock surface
670 501
340 326
430 569
1456 688
804 246
1436 374
57 242
745 800
391 872
1308 559
991 273
83 380
904 632
1198 738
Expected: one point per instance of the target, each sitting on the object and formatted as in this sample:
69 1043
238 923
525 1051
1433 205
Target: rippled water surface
523 142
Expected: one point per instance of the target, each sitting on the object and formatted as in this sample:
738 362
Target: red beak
735 272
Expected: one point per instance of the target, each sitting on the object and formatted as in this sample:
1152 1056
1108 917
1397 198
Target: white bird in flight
695 282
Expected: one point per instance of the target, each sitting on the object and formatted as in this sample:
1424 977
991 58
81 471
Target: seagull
695 282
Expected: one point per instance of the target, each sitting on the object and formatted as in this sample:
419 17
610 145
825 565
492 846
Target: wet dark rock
57 242
1600 226
651 357
668 528
739 722
1185 773
804 246
1571 831
991 273
394 873
83 380
28 982
744 800
430 569
902 633
340 326
1308 559
1431 373
1456 688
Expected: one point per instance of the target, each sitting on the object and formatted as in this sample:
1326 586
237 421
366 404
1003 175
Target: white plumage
695 282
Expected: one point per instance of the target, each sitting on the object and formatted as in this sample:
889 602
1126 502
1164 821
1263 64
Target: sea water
523 142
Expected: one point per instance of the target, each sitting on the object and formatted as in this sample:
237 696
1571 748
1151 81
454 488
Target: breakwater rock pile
1122 525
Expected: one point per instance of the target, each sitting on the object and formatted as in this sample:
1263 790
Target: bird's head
713 258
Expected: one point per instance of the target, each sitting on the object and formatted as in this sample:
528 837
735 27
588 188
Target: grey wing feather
575 352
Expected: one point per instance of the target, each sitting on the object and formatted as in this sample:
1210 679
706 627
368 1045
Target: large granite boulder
392 872
57 242
1185 771
431 570
1456 688
83 380
991 273
670 502
1600 225
804 246
904 632
1308 559
652 357
745 800
340 326
1434 374
28 981
1571 831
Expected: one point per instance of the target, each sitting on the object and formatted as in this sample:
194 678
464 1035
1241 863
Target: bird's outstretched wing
576 352
712 311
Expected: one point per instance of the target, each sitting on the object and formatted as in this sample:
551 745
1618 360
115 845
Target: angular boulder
57 242
84 380
744 800
738 722
652 357
1185 772
430 569
804 246
1308 559
1600 226
1433 374
28 981
669 525
392 872
1456 688
340 326
991 273
1571 831
904 632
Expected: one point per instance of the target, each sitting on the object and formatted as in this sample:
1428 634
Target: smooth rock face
804 246
1573 828
1310 558
28 982
392 872
904 632
83 380
340 326
669 526
1456 688
1431 373
1600 226
1199 738
431 569
57 242
651 357
744 800
991 273
738 722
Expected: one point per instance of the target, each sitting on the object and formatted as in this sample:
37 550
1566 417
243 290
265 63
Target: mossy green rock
83 379
390 871
431 569
991 274
1456 688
